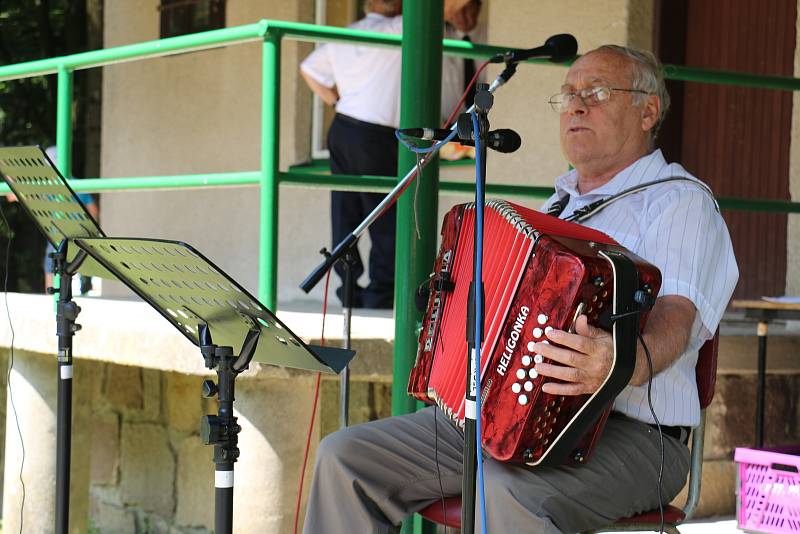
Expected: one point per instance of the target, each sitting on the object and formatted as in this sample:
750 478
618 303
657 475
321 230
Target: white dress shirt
368 77
676 227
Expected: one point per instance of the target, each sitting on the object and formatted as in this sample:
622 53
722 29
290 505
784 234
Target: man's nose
577 106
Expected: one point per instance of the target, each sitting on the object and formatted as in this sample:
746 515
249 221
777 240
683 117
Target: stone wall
150 471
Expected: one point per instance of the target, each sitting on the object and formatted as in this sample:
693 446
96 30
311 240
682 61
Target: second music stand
220 317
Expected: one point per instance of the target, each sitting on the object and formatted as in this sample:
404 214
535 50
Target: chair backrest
706 370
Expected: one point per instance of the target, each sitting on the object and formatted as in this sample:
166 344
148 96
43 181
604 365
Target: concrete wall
196 113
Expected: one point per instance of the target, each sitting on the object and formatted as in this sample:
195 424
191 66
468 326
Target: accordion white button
548 329
537 332
523 399
526 360
528 386
533 373
521 373
530 346
515 387
542 318
538 358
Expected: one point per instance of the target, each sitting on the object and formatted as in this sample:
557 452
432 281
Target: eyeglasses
591 96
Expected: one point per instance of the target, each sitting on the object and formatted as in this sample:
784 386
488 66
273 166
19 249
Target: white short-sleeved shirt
676 227
368 77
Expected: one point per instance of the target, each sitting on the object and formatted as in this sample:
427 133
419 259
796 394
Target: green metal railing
271 33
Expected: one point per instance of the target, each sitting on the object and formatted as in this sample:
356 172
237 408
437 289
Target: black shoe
378 298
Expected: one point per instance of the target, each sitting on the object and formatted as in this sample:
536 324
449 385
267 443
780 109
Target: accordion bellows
539 272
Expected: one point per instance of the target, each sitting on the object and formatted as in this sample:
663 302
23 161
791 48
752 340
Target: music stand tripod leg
66 314
222 430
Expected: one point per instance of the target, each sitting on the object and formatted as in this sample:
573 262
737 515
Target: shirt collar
642 170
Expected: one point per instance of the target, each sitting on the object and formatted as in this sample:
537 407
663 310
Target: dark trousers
361 148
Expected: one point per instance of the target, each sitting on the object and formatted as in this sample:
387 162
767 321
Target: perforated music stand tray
190 291
50 201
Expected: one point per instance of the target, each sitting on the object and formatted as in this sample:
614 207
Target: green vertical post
64 122
421 84
270 134
63 134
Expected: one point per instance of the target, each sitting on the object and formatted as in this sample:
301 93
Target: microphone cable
313 411
658 427
478 314
11 364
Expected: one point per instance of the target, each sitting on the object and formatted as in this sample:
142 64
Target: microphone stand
343 247
475 320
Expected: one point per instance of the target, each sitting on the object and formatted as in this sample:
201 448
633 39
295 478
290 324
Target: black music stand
59 214
202 302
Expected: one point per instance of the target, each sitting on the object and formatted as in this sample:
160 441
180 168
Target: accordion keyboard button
548 329
538 358
526 360
515 387
521 374
530 346
528 386
523 399
537 332
532 373
542 318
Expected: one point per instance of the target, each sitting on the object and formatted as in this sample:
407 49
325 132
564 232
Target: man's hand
585 359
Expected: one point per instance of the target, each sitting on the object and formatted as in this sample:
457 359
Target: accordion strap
595 207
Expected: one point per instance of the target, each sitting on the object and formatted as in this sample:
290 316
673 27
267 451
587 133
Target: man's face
600 138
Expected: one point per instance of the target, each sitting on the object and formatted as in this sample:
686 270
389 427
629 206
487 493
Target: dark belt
680 433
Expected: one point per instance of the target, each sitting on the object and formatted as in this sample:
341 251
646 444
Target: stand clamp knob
209 389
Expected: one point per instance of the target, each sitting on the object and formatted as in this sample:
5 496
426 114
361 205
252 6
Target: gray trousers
368 477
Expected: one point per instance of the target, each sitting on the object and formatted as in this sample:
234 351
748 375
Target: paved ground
719 525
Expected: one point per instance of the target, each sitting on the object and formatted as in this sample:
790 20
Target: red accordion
539 272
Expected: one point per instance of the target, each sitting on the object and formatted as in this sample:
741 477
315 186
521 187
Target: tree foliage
31 30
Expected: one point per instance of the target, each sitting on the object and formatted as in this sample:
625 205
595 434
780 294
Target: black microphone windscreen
508 140
563 47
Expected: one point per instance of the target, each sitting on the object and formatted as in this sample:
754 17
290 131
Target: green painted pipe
270 147
64 121
359 183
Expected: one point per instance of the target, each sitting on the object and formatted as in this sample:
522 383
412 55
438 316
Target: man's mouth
577 129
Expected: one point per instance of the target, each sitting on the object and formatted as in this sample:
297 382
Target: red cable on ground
313 412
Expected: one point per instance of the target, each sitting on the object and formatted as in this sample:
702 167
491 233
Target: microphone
558 49
502 140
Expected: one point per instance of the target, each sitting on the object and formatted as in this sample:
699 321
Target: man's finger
577 342
583 328
568 374
558 354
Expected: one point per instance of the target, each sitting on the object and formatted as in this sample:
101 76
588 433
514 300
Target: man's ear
650 111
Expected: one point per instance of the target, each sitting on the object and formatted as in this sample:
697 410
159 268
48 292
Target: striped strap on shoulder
595 207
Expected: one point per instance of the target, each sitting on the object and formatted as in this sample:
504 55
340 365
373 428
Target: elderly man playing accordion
369 477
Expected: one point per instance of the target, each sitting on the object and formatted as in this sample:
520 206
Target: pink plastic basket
768 490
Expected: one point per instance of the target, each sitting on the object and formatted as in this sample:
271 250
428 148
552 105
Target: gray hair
647 76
